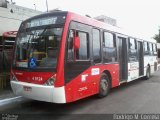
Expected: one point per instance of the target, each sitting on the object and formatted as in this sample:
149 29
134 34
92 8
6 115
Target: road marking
9 99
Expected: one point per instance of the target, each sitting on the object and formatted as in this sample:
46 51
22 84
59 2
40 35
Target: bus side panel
133 71
87 83
149 60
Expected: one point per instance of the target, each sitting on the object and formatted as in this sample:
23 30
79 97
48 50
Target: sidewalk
5 88
4 94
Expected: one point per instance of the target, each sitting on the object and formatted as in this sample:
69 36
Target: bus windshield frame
38 44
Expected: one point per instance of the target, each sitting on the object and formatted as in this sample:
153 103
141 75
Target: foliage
157 36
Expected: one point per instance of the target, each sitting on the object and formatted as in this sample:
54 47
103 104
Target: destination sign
41 22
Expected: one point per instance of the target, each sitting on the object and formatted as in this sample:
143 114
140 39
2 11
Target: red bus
62 57
6 49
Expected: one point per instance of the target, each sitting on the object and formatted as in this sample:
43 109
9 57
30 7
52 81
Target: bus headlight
50 81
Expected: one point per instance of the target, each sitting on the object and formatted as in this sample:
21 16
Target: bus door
140 58
78 61
123 59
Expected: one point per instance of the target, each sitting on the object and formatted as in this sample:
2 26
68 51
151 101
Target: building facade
12 15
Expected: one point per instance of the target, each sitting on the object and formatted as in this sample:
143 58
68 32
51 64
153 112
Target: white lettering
136 116
17 73
150 117
82 89
37 78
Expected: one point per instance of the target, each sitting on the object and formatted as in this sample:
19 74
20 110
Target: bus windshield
38 48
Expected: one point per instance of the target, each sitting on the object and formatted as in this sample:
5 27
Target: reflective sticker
95 71
83 77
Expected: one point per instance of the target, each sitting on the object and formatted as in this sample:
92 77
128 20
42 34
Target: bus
6 49
61 57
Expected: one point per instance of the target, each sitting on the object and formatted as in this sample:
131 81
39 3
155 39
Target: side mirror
76 43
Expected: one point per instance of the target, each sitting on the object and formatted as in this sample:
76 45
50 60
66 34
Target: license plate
26 88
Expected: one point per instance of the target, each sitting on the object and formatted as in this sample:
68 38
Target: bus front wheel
104 86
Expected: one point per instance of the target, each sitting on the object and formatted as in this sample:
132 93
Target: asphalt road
140 96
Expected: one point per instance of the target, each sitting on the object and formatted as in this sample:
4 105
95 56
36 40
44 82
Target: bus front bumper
39 92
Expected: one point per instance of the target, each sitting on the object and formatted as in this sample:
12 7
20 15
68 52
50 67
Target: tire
104 86
148 73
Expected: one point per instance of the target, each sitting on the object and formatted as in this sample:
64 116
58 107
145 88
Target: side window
132 50
96 46
132 43
146 48
153 45
83 52
150 49
108 39
109 48
154 49
70 56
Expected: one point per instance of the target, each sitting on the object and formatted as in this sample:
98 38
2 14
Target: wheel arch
109 75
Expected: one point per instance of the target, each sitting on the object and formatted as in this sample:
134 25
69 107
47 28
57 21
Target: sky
141 17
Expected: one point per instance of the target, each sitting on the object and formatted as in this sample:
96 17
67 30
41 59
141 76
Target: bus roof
47 14
10 34
92 22
99 24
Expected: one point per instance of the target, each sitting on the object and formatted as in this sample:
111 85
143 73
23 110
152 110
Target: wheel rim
104 85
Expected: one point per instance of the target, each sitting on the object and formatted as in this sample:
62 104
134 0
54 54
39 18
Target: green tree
157 36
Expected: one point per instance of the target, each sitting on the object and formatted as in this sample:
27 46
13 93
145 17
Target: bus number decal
95 71
37 78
